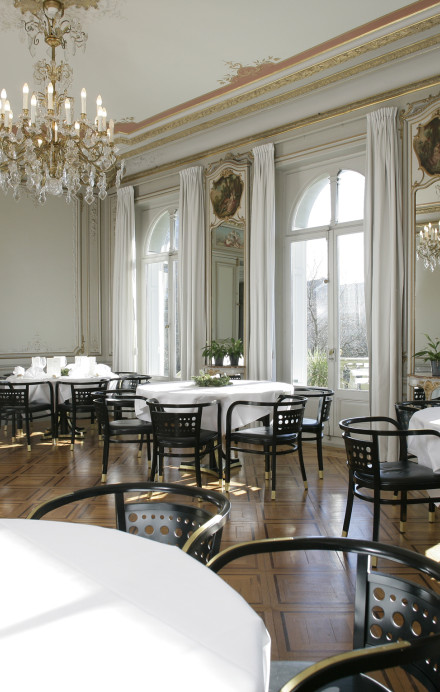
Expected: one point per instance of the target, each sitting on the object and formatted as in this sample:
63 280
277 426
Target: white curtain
124 284
192 271
261 353
384 264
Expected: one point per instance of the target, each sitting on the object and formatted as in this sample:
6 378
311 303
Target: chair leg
376 515
28 432
274 472
73 424
105 452
141 442
153 463
301 464
431 509
348 507
197 467
227 464
403 511
319 451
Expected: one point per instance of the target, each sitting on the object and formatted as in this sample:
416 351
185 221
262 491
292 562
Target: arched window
329 339
160 297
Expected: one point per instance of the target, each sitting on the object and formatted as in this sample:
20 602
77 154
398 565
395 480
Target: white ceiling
147 56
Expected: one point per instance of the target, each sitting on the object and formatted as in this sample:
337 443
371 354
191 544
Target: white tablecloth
426 448
189 393
89 608
40 392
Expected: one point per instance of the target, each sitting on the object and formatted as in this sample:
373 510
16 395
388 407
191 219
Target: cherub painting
427 146
226 194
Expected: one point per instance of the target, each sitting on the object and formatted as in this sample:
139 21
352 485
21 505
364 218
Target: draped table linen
90 606
188 393
426 449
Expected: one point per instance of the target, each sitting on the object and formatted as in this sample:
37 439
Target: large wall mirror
227 195
423 158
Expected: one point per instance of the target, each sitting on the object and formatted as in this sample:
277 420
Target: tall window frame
160 324
325 217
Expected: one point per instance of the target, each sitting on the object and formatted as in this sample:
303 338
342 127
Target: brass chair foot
13 439
71 448
402 526
29 448
139 454
103 478
321 475
226 487
306 485
431 517
344 534
266 475
273 495
374 561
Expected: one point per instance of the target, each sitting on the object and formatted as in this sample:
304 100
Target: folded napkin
103 370
36 374
39 362
18 371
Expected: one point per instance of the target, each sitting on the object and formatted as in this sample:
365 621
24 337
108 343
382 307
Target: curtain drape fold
261 350
384 263
124 284
192 271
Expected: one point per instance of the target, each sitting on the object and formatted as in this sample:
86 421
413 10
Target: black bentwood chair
313 428
368 471
179 426
133 430
123 403
17 404
80 402
396 621
189 518
281 436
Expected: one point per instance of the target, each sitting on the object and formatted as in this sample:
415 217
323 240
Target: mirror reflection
427 281
227 281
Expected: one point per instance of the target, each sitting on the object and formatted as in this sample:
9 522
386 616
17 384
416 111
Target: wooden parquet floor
305 602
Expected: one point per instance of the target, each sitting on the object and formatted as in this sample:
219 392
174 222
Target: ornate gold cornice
302 74
247 142
291 95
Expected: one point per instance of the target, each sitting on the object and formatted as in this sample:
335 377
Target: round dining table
187 392
91 608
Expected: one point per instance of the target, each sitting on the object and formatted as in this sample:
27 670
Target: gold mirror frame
421 124
227 248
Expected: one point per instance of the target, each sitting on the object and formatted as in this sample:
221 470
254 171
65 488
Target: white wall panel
39 270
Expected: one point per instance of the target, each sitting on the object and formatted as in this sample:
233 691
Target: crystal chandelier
428 247
47 150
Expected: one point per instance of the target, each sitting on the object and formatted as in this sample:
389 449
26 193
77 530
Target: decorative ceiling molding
246 142
126 134
35 5
279 99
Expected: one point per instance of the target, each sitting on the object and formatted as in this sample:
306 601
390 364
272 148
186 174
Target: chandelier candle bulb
104 119
68 111
55 132
77 128
111 130
3 101
98 104
25 97
33 108
83 101
50 96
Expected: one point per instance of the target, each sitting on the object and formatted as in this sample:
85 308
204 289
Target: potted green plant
215 350
431 353
234 350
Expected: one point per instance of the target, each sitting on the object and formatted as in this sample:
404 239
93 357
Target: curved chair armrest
361 547
208 529
361 661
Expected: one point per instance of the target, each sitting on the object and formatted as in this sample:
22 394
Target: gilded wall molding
302 74
246 142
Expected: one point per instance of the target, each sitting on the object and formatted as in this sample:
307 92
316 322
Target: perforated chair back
132 381
406 409
192 518
387 608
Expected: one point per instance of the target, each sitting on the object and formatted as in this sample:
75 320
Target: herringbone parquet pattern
305 601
